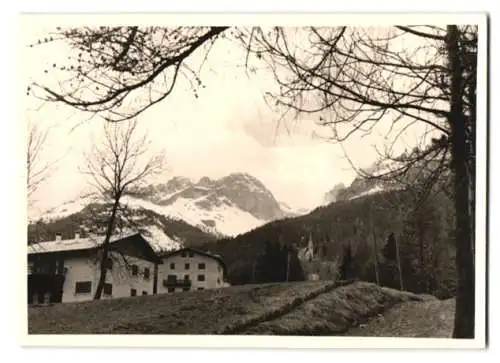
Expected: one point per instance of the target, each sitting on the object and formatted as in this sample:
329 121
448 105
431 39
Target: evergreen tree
345 270
390 250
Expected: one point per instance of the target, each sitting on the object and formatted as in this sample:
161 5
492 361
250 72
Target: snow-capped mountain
332 195
228 206
163 233
291 212
387 175
362 186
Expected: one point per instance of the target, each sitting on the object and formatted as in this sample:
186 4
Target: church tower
310 248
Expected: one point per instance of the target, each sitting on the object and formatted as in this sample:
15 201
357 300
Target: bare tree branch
37 170
116 166
115 63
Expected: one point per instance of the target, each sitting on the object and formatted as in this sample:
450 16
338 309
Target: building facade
69 270
190 269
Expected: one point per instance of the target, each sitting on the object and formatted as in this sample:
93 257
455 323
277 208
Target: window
218 280
135 270
83 287
108 263
201 277
201 288
201 266
171 277
146 273
171 289
108 289
186 277
133 292
185 289
144 293
186 266
172 266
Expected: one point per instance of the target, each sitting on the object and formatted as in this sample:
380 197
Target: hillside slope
304 308
432 318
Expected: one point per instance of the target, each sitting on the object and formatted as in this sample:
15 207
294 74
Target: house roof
88 244
218 258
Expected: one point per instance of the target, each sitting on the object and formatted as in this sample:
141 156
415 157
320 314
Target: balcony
47 270
173 281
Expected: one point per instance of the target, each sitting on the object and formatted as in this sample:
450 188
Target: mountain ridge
227 206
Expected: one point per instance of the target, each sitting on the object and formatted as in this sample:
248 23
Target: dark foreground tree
346 267
393 263
354 78
116 166
357 78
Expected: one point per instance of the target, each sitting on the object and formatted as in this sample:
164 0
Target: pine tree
345 270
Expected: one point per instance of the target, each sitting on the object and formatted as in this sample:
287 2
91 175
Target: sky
228 128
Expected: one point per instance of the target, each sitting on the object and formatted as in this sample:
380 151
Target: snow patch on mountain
223 219
159 240
373 190
227 206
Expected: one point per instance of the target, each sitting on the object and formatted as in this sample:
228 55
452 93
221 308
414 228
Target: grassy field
301 308
429 319
335 312
221 311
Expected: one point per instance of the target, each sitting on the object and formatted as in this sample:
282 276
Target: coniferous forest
409 247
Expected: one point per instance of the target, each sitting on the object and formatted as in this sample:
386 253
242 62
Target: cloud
228 128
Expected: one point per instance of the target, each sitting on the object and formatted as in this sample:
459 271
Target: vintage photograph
287 178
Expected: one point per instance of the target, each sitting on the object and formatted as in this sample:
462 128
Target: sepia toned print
282 179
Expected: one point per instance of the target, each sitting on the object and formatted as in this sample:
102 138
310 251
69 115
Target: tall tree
354 78
392 255
358 78
462 122
345 269
116 166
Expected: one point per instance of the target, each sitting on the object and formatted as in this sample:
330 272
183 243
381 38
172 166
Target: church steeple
310 247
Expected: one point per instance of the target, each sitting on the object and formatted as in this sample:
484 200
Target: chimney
58 236
77 235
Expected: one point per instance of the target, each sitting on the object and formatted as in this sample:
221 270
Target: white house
190 269
68 270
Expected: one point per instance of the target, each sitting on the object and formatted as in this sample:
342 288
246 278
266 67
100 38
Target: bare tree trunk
375 253
287 265
105 250
465 299
421 252
155 281
398 259
254 263
435 266
375 249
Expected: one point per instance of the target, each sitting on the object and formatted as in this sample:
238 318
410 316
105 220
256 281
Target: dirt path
432 318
